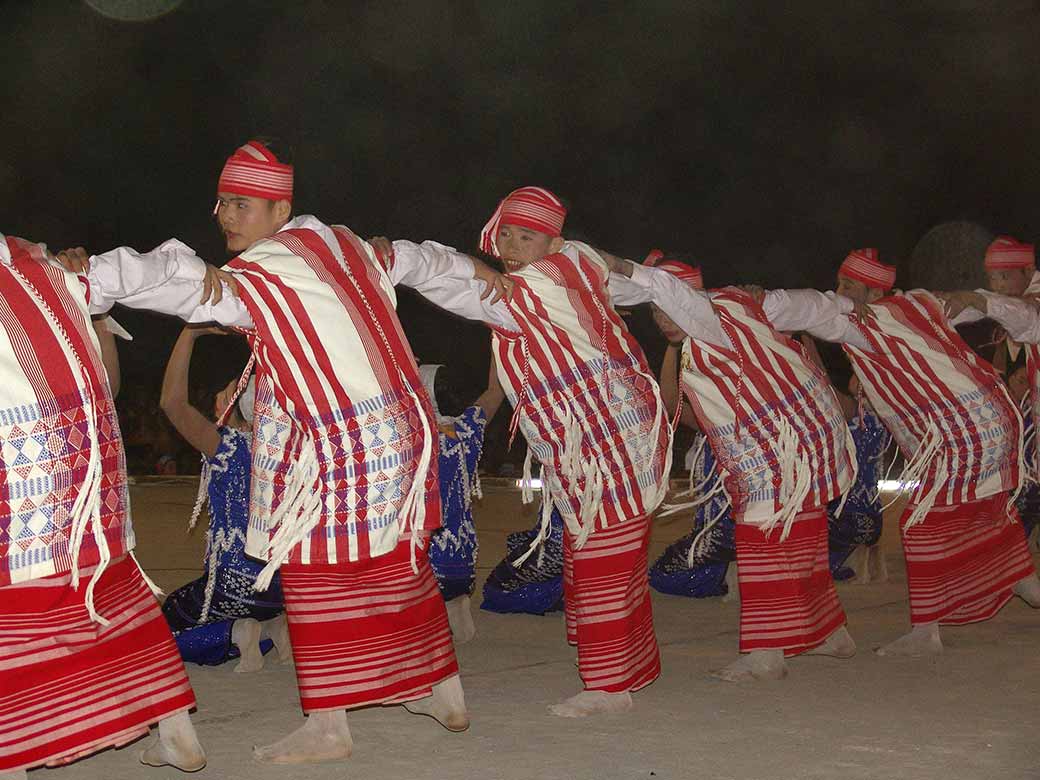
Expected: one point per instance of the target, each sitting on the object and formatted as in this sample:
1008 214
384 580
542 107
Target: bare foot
587 703
324 737
176 746
733 585
277 630
245 635
756 665
460 618
446 704
838 645
1028 589
922 640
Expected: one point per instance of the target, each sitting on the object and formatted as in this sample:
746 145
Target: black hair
451 400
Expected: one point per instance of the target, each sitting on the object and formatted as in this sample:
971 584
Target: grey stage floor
971 713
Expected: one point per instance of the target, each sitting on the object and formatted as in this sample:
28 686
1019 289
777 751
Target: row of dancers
327 452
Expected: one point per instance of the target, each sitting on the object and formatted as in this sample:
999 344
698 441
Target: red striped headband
253 170
1006 252
864 266
530 207
685 273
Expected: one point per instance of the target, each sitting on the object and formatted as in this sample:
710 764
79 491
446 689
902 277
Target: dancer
344 484
783 447
220 616
86 660
592 414
962 438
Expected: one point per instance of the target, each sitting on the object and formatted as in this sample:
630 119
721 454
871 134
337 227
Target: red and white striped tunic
62 466
584 397
770 416
343 459
947 408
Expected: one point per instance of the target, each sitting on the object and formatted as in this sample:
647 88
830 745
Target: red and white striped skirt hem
608 610
787 597
962 561
70 687
367 632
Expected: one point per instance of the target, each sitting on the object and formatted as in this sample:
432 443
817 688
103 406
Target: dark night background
765 138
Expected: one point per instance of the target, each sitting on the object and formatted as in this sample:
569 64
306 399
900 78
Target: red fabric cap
253 170
864 266
686 273
530 207
1006 252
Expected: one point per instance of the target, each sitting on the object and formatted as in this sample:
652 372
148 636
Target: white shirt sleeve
688 308
167 280
840 328
789 310
445 278
1020 317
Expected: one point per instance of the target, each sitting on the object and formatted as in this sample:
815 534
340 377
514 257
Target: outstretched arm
454 281
171 279
1020 317
197 429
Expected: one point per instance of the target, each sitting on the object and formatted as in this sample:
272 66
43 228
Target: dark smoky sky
765 138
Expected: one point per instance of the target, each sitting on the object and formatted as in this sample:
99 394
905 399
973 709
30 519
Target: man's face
666 325
245 220
1009 281
857 291
521 246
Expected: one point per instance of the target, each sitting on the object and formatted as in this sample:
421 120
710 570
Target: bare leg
460 618
838 645
756 665
324 737
861 564
733 592
446 704
277 630
587 703
1028 589
245 634
922 640
878 564
177 745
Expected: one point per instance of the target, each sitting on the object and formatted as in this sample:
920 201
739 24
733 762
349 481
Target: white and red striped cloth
343 458
63 495
530 207
583 395
787 596
607 608
770 416
947 409
962 561
864 265
69 686
1006 252
368 632
253 170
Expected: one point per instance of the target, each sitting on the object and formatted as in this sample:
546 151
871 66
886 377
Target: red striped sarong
69 686
367 632
787 597
608 607
962 561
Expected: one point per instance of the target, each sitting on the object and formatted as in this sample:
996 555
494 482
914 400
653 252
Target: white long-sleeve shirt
169 278
691 309
1020 317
